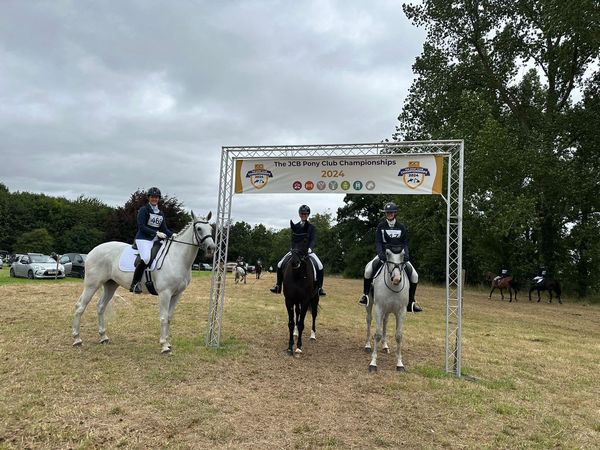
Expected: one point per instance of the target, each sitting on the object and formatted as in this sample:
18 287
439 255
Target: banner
378 174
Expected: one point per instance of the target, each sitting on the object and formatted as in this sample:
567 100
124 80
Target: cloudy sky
102 98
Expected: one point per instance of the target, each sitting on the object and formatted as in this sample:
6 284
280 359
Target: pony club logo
259 176
414 175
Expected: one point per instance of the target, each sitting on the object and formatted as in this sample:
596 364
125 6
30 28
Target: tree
516 123
35 241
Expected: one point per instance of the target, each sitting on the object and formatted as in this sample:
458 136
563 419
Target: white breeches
145 248
414 276
313 256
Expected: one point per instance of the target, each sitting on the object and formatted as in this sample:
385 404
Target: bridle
394 265
199 239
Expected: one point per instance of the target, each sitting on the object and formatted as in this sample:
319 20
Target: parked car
251 269
230 266
1 264
36 265
204 266
74 264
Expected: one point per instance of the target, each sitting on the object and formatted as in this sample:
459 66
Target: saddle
130 257
287 260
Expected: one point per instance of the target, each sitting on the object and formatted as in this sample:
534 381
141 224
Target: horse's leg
314 307
530 291
384 346
109 290
303 311
369 318
549 295
378 336
291 326
493 288
164 301
539 296
501 293
297 309
399 325
172 305
84 299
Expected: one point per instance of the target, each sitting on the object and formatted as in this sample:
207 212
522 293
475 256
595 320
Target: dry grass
534 370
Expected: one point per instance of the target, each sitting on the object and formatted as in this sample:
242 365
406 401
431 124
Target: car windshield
41 259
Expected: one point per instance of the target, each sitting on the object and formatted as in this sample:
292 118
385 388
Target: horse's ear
209 216
292 225
193 215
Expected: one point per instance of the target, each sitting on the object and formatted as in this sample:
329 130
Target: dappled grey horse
240 275
172 276
389 295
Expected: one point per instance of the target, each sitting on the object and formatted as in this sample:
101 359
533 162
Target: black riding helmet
390 207
154 191
304 209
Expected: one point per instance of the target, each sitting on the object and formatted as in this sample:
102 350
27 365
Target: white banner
379 174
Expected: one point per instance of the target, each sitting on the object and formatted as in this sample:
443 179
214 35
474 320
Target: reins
170 241
400 267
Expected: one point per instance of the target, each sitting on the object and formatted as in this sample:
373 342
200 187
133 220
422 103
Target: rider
503 274
240 263
152 226
540 276
303 212
393 228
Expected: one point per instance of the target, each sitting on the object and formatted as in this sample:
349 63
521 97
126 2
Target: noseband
400 267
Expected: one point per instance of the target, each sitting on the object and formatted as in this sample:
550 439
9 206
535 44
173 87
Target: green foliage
35 241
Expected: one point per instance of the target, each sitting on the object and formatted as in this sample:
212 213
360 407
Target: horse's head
299 245
395 262
203 233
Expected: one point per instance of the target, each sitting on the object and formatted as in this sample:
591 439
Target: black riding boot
277 288
137 276
364 300
320 283
412 306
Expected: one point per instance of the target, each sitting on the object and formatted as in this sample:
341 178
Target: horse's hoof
77 343
104 341
298 350
313 336
367 349
400 369
372 368
290 352
166 351
386 350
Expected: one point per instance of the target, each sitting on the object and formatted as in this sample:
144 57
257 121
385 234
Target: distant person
152 226
503 274
539 279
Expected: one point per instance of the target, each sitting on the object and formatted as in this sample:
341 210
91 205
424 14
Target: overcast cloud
102 98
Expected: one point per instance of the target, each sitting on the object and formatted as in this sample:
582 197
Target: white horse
389 294
170 279
240 274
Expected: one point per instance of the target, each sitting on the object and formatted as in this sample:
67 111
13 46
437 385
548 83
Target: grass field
533 379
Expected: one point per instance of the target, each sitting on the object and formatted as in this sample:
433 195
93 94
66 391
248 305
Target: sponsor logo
321 185
370 185
333 185
414 175
309 185
259 176
297 185
345 185
357 185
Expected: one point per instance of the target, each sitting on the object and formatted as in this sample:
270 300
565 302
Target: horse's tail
557 288
515 285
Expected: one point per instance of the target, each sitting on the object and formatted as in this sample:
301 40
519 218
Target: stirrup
413 307
322 293
276 289
364 300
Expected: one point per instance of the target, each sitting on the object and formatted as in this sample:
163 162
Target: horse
300 288
547 284
258 270
172 276
240 274
503 283
388 294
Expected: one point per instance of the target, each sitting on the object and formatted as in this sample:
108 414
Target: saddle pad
128 258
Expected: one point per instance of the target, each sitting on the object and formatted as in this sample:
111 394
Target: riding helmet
154 191
390 207
304 209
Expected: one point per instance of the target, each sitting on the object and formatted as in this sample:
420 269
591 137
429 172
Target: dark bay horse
503 283
299 288
547 284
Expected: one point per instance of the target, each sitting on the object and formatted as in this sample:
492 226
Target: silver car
36 265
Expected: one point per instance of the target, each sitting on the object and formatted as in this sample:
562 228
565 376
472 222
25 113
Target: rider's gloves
161 235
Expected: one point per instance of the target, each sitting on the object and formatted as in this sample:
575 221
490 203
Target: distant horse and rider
258 269
542 283
502 282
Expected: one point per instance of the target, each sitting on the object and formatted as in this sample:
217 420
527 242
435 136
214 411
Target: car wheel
82 274
12 272
30 274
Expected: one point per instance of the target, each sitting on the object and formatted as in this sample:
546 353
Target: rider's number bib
155 220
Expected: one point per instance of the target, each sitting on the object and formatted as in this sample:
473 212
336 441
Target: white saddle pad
129 255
